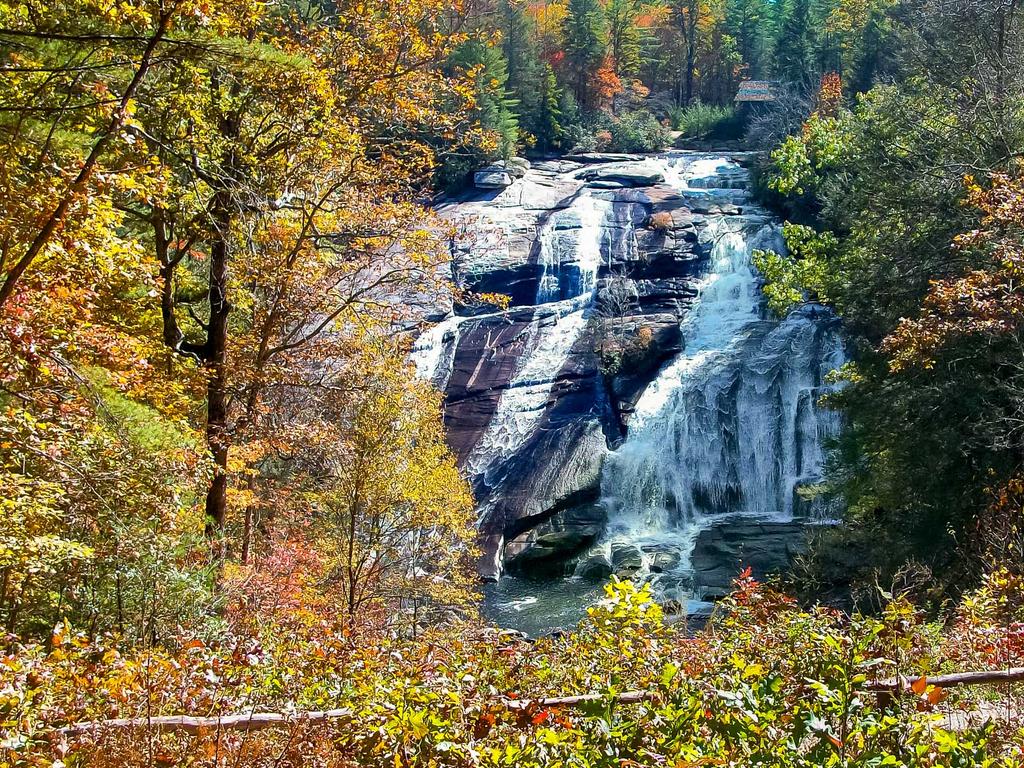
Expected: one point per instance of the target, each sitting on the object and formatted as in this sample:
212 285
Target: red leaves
483 725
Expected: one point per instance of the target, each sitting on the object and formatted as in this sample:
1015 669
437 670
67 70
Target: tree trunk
217 431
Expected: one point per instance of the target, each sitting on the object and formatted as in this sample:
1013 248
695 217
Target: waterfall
732 426
433 353
729 430
565 295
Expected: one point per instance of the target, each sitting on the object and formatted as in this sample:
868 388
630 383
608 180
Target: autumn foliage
210 249
765 682
986 303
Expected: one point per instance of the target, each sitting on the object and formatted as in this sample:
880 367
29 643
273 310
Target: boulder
726 548
550 545
596 567
640 174
517 166
661 562
492 177
626 559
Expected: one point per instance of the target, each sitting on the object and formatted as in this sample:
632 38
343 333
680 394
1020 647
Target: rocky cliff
603 258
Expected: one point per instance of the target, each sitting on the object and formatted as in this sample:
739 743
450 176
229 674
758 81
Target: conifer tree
525 71
486 63
746 21
549 115
625 37
793 47
586 37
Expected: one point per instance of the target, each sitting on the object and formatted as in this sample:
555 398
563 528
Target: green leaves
802 274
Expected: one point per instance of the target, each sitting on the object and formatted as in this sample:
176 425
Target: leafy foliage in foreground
765 684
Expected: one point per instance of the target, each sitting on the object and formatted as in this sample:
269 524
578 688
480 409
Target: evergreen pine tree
525 71
625 37
586 37
548 126
494 105
793 47
746 22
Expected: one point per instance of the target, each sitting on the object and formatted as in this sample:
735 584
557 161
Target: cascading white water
732 426
433 353
565 295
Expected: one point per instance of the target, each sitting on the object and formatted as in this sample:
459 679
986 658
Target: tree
43 89
269 155
525 71
695 33
625 36
585 34
395 509
252 212
484 64
793 47
548 127
746 21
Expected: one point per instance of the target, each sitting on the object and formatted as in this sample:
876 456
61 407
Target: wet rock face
552 545
725 549
600 257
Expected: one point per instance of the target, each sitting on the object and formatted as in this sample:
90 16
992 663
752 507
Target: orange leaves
483 725
830 95
919 685
605 84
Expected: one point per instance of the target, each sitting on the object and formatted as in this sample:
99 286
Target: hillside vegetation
224 492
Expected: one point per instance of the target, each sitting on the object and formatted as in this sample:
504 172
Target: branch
987 677
180 723
260 720
56 218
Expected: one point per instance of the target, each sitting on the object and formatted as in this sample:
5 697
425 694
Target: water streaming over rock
731 428
728 429
570 247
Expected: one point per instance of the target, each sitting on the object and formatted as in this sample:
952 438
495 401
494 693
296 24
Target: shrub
707 121
660 222
639 132
766 684
578 138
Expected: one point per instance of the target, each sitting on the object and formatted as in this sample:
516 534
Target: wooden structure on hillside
757 91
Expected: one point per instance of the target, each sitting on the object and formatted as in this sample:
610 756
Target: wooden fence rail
255 721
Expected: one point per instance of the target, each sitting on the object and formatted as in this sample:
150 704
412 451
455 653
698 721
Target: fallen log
254 721
259 720
629 697
987 677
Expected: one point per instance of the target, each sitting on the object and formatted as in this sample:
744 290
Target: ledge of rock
728 547
642 174
492 177
605 157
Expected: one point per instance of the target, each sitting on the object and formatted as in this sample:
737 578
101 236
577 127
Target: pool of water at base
538 608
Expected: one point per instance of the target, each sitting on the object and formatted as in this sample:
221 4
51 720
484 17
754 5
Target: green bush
639 132
707 121
578 138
